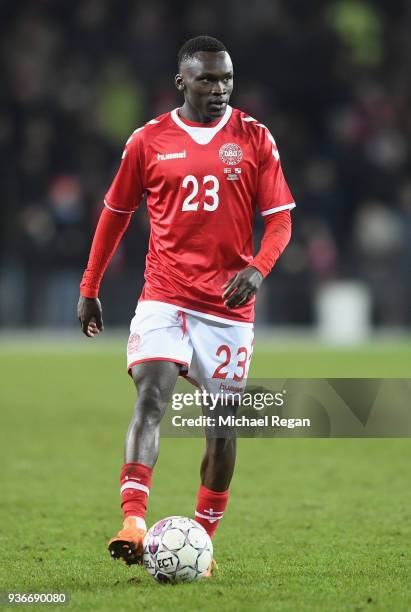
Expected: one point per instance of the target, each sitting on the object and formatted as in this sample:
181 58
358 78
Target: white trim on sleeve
123 212
278 209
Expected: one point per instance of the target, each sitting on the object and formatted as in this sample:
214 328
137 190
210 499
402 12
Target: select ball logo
230 153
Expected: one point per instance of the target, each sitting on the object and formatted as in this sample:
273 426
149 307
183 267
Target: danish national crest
231 154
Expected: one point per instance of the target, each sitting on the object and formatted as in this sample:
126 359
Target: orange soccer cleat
128 543
213 566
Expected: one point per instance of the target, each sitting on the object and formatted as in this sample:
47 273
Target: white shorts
213 356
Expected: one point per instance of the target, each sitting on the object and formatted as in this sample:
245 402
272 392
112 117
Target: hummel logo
162 157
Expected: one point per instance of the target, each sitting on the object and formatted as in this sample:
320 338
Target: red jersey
203 183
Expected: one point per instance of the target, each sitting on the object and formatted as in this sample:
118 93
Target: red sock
135 481
210 508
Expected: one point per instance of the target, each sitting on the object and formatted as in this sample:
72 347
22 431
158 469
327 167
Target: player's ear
179 82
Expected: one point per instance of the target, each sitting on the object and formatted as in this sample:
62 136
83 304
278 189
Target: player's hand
241 287
90 315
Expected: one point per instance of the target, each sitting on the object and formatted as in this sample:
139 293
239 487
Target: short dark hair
199 43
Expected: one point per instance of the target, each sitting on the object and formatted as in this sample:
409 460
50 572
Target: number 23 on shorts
225 355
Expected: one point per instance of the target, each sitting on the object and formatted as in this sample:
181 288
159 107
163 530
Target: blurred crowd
331 79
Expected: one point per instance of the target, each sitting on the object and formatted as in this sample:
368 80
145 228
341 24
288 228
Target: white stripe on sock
211 519
135 485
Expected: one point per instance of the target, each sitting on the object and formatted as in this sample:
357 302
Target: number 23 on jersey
211 199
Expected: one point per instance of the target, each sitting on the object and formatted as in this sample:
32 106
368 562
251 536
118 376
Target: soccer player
205 167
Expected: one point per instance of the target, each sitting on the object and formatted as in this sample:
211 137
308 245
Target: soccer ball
177 549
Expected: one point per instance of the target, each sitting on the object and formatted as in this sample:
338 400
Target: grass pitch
312 524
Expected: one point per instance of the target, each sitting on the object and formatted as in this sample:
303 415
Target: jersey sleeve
127 188
273 193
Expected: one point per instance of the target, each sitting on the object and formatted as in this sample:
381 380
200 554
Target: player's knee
150 404
219 448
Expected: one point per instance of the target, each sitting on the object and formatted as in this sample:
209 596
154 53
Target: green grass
312 524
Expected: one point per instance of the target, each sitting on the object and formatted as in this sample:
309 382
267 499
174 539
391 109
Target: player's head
205 75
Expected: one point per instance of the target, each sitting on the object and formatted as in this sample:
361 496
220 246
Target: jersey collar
202 135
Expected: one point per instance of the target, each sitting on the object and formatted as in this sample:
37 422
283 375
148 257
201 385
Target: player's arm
121 201
274 201
109 231
245 284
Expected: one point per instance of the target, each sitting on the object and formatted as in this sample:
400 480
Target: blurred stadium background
330 79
